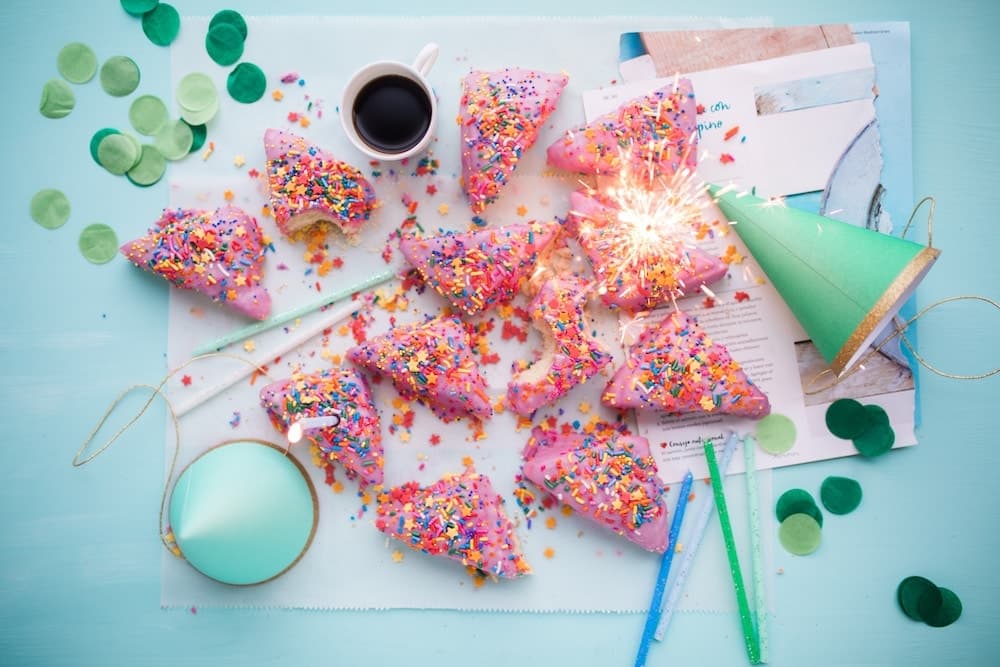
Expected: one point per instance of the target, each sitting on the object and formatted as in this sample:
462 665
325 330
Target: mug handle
426 59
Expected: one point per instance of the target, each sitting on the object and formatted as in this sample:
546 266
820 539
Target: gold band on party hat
883 307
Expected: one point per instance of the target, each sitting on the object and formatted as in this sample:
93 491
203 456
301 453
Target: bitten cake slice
571 354
431 362
220 254
608 478
636 281
652 130
676 367
459 517
500 114
478 270
309 186
355 440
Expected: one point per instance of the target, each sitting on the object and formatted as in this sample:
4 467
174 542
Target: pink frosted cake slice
431 362
220 254
309 186
676 367
459 517
610 479
356 441
500 114
635 283
656 129
478 270
571 354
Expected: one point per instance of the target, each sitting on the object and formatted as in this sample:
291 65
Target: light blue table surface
79 557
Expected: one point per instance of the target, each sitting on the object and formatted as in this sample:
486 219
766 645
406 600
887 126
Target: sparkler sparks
643 228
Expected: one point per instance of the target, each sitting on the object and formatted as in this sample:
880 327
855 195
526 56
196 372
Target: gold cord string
900 327
79 459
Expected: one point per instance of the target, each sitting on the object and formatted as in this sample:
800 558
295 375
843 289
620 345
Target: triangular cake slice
459 517
355 441
309 186
610 479
480 269
500 114
431 362
571 354
658 130
676 367
220 254
635 282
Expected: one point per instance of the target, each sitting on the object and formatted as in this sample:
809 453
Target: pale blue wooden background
79 557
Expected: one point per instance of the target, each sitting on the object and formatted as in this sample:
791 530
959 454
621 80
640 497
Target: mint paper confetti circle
95 141
77 62
50 208
196 91
98 243
149 169
161 24
174 140
119 76
148 114
800 534
198 98
118 153
57 99
775 434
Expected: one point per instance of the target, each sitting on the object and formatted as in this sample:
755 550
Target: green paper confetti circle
196 92
161 24
50 208
947 612
846 418
98 243
77 62
118 153
797 501
139 7
879 437
230 17
200 133
224 44
800 534
909 593
57 99
929 602
840 495
119 76
246 83
149 169
148 114
95 141
174 140
775 434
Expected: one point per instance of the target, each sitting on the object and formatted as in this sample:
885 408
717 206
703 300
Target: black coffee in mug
392 113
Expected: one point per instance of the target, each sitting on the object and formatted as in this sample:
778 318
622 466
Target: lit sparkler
641 230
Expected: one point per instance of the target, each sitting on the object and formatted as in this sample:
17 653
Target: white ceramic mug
388 109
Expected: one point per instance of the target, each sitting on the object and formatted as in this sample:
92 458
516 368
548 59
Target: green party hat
843 283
